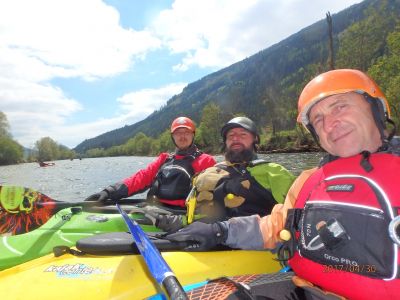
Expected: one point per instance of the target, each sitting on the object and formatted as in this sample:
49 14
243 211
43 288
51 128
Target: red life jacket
343 243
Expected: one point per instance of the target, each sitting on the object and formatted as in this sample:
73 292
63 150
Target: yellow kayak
122 276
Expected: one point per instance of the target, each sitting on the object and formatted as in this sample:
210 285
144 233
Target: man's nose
330 122
235 137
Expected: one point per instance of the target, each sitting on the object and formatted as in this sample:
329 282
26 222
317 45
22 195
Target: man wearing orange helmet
337 227
169 176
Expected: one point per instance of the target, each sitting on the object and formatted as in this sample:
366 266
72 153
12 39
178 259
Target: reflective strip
11 248
313 202
373 183
60 235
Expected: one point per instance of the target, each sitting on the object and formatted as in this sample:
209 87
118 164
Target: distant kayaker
242 185
45 164
169 177
338 217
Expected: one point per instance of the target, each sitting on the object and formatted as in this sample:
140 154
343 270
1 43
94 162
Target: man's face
239 145
238 139
345 125
183 138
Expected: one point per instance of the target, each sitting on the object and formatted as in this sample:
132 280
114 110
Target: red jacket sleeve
143 179
203 162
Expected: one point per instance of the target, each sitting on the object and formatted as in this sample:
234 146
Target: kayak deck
63 228
122 277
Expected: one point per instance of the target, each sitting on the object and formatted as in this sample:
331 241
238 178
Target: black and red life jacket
174 178
341 221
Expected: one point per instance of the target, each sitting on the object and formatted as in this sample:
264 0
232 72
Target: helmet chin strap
381 118
314 135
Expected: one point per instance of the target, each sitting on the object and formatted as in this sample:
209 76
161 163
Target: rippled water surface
74 180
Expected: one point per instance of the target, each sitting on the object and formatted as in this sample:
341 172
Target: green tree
65 153
142 144
386 72
363 42
10 151
47 149
115 151
4 126
208 133
95 152
166 143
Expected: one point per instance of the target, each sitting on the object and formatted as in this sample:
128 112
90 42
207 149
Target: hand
205 236
98 197
112 192
237 186
232 193
170 223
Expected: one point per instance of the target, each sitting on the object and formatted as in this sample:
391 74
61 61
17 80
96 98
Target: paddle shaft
65 204
156 264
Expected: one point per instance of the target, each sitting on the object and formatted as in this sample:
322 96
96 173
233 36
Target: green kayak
64 228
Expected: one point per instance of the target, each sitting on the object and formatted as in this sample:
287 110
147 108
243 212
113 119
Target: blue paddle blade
155 262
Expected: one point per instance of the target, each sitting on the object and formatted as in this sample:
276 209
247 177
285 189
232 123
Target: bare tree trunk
330 33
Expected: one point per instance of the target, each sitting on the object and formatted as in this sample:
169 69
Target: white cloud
72 37
71 135
218 33
44 39
134 107
139 104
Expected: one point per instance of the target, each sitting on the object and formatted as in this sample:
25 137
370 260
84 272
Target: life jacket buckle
288 247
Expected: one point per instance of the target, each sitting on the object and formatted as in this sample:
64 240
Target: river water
74 180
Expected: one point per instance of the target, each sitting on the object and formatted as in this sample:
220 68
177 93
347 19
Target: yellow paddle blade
191 205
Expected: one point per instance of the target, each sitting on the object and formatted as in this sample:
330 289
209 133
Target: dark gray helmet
242 122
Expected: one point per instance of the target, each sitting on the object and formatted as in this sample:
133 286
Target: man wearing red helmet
338 228
169 176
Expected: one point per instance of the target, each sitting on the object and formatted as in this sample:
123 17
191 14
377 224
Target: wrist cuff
221 231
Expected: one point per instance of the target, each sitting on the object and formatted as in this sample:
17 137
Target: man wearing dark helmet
241 185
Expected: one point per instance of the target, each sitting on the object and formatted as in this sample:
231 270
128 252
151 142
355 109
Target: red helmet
183 122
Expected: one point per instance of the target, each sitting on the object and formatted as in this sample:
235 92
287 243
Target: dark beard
245 155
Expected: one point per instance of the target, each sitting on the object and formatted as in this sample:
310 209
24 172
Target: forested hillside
266 85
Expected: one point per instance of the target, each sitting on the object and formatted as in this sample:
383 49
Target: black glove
113 192
204 236
170 223
237 186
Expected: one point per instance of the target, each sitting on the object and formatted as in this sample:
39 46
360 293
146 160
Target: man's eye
339 108
316 121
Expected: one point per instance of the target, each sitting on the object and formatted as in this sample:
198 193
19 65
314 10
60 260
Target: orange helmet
183 122
338 82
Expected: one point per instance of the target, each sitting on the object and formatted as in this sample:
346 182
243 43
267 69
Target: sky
74 69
